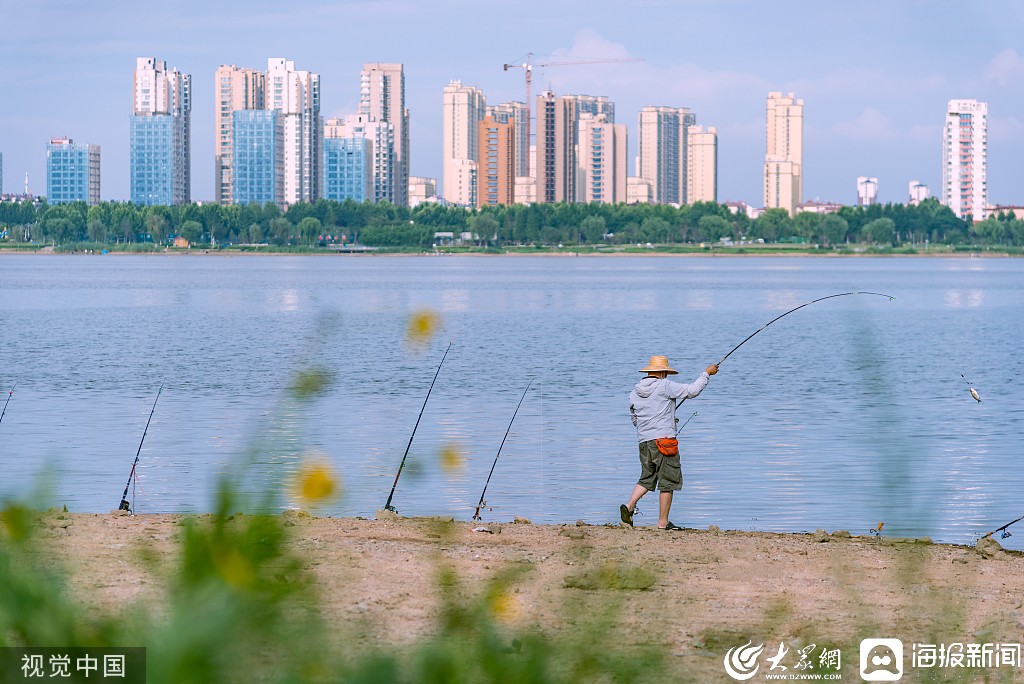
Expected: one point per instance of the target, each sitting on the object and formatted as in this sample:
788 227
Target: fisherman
652 405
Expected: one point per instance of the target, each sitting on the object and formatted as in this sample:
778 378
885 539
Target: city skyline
875 111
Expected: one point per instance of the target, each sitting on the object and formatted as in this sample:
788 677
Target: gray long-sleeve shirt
653 402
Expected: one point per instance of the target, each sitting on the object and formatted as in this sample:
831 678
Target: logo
741 662
881 660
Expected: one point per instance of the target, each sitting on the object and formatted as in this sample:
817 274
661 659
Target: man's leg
638 491
664 504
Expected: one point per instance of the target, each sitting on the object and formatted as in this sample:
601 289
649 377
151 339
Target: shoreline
564 254
693 594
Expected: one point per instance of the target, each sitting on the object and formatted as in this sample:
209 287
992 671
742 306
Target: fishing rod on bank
124 505
388 505
9 394
841 294
480 504
1005 532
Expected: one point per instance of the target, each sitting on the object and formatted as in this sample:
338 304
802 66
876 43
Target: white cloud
1005 68
1005 129
870 125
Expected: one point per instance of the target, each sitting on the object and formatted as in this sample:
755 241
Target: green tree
156 226
97 230
593 229
833 229
192 231
772 224
880 231
714 227
309 229
255 233
655 229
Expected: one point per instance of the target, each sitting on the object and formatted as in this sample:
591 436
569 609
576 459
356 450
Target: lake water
844 414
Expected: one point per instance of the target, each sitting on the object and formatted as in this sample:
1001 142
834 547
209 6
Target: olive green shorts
658 470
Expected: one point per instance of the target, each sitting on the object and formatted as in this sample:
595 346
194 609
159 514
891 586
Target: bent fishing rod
684 423
480 504
401 465
841 294
8 401
124 505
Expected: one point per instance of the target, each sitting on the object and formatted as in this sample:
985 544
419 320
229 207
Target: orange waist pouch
669 446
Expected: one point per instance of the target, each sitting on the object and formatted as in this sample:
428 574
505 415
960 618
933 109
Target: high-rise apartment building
783 162
236 88
258 157
601 152
1 173
965 158
296 94
867 191
517 114
382 98
556 148
348 159
663 155
464 109
160 134
72 172
379 149
701 164
496 165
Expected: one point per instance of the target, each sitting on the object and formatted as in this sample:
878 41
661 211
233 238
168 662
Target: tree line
386 225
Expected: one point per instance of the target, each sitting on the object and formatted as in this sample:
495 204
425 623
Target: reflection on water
844 414
958 299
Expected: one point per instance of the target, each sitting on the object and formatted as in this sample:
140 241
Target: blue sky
874 75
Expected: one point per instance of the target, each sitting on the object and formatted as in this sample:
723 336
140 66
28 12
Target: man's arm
680 391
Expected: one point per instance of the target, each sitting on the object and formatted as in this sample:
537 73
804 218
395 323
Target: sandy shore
695 593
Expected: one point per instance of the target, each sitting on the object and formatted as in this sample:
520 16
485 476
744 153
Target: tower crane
529 65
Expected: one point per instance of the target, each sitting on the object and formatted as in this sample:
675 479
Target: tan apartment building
517 114
464 109
237 88
702 164
783 167
382 98
601 153
496 163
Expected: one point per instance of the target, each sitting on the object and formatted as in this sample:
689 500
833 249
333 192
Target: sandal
626 516
672 527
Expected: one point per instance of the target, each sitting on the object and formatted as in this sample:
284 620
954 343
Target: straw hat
657 364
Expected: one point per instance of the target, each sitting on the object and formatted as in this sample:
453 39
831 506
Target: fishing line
9 394
974 392
124 505
388 505
480 504
842 294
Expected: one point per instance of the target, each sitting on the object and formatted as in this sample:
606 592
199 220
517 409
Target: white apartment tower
919 192
783 164
602 160
382 98
662 158
296 95
236 88
701 164
464 109
867 191
964 158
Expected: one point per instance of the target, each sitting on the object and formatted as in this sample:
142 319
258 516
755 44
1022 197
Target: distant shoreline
49 251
